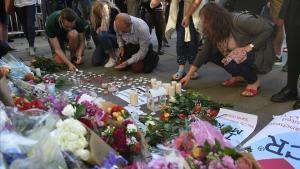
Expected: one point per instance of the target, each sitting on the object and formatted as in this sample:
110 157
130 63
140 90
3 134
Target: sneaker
89 44
31 51
111 62
278 61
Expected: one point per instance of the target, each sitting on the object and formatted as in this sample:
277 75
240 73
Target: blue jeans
245 69
185 50
107 42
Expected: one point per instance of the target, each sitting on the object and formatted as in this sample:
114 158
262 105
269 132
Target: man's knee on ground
73 35
137 67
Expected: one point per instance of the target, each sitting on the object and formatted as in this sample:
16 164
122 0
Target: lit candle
51 88
133 96
166 86
158 83
173 83
178 88
171 91
153 82
38 72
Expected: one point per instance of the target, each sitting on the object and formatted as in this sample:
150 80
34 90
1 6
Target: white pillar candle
173 83
178 88
51 88
153 82
158 83
133 96
166 86
38 72
171 91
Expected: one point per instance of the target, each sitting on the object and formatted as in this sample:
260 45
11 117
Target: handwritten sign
242 124
278 144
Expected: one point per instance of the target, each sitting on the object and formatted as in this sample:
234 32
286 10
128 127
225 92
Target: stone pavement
209 83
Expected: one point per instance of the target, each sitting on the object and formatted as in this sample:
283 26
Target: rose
137 147
165 116
181 116
212 113
69 110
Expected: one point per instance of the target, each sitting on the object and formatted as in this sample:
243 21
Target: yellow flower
120 119
196 152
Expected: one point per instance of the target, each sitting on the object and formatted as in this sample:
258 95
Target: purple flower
204 131
228 162
112 161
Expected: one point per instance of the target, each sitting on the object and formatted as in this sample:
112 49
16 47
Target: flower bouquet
177 115
204 147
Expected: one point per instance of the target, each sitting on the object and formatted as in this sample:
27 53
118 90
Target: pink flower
215 164
228 162
204 131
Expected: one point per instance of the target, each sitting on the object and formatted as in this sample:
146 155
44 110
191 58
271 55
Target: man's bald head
123 22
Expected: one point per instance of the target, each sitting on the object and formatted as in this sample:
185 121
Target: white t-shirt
22 3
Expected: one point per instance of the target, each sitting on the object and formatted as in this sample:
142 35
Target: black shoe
159 52
285 68
286 94
10 40
296 105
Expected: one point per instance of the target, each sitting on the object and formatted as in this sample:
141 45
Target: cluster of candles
170 88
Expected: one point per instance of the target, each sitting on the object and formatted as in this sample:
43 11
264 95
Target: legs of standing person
158 29
3 23
133 7
292 27
275 6
180 45
192 46
26 15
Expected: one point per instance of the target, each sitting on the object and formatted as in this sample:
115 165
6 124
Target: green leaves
80 111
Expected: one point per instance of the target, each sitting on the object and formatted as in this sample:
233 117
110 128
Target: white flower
83 154
149 122
131 141
70 135
131 128
87 98
69 110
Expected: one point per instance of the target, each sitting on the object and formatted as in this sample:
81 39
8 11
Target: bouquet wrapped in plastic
18 70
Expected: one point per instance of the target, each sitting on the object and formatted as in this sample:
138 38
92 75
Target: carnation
228 162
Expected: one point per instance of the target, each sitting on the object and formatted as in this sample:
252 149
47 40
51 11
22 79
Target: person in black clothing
153 16
291 15
102 18
253 6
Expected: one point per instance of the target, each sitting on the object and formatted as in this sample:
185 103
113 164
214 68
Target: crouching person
135 48
66 27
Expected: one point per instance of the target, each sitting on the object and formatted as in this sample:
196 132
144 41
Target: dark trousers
185 50
106 42
26 16
245 69
153 18
292 30
143 66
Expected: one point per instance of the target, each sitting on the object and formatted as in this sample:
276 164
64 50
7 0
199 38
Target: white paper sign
242 124
278 144
124 95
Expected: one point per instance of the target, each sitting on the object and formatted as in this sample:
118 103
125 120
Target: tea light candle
133 96
178 88
171 91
